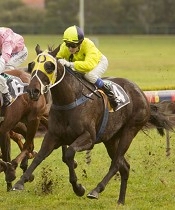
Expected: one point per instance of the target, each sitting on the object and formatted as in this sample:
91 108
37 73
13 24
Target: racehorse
29 113
81 117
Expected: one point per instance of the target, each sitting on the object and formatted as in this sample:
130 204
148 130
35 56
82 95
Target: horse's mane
50 48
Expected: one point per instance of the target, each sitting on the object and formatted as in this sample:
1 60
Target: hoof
18 187
10 173
92 195
120 203
31 155
9 187
80 192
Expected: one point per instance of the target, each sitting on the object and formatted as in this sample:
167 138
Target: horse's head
43 72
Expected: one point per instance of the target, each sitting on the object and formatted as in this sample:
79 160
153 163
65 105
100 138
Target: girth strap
103 124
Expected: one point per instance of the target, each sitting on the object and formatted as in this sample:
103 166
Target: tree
19 17
60 15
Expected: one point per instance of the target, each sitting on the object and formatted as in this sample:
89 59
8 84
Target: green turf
150 186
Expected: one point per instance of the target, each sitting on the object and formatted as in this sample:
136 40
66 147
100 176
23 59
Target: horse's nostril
36 92
28 91
33 93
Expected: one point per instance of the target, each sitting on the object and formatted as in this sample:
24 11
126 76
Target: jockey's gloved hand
66 63
2 64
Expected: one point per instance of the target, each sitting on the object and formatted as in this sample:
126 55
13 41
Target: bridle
41 59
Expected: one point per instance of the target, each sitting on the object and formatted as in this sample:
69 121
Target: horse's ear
55 51
38 49
30 67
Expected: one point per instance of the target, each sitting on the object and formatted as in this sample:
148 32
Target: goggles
72 45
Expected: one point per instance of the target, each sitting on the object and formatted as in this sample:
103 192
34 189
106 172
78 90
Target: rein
78 101
72 73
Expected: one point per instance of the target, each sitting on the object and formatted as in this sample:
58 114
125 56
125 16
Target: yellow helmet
73 34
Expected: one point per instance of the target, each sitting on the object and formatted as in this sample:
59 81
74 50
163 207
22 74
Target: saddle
120 94
15 85
16 88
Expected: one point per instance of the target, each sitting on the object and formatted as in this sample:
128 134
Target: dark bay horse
76 117
22 116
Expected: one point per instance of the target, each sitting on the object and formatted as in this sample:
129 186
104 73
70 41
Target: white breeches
3 85
17 59
98 71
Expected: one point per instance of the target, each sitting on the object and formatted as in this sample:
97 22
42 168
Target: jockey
13 52
80 54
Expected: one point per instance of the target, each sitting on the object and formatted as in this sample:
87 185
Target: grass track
150 186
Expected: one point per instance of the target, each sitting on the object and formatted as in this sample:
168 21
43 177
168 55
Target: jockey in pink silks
13 53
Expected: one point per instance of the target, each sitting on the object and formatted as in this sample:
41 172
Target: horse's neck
67 91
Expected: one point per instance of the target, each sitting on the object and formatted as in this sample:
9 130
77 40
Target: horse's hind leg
124 173
116 151
120 165
6 157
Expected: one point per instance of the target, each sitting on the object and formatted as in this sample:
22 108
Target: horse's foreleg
47 146
28 145
82 143
19 131
3 167
69 160
5 146
24 166
16 138
64 149
32 128
27 148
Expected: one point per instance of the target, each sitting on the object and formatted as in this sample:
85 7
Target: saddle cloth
16 87
121 95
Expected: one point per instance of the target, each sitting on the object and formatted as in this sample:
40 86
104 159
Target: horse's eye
49 67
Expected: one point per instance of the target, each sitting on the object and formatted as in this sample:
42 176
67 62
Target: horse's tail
160 119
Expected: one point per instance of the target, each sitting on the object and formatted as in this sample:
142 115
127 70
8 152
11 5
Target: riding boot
6 99
111 96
